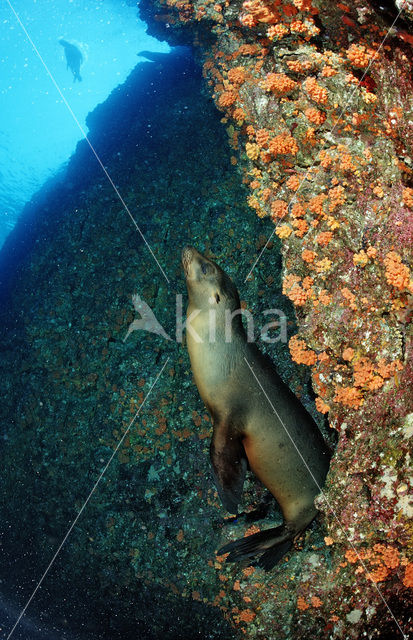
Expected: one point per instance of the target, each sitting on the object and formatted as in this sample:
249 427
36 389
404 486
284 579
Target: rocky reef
318 98
302 186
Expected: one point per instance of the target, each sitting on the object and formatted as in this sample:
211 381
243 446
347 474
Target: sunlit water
37 131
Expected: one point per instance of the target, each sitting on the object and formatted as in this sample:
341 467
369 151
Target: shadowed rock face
139 561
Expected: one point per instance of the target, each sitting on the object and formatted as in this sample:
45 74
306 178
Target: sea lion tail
275 543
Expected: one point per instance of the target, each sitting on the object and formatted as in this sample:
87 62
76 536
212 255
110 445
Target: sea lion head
208 285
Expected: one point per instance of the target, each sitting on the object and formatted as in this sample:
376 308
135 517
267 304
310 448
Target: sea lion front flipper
229 464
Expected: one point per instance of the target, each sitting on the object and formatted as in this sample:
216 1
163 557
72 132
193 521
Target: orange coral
301 227
348 354
348 396
298 296
262 136
379 574
324 298
295 65
302 604
308 256
321 406
408 575
252 150
294 291
279 83
239 114
236 75
283 144
325 159
248 20
363 372
397 273
359 55
283 231
360 258
348 295
346 163
337 197
316 91
279 209
324 238
303 5
300 353
316 204
328 72
247 615
298 26
289 281
323 265
408 197
351 556
227 98
390 556
298 211
293 183
246 50
315 116
260 12
277 31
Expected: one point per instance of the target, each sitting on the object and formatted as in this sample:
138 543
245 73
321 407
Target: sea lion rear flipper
229 464
275 543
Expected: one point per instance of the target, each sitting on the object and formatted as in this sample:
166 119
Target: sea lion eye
217 298
204 267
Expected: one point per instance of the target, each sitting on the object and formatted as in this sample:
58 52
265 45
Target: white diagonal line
86 501
405 637
84 134
293 199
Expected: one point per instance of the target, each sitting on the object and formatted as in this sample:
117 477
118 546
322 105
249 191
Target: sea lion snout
195 264
186 257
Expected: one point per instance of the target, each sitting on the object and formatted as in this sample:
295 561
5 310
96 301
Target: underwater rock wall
140 560
318 98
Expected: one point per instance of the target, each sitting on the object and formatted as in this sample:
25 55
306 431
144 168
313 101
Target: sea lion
74 58
258 422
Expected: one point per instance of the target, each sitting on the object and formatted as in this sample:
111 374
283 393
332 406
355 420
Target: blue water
37 131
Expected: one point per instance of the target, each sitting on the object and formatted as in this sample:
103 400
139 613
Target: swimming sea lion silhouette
258 422
74 58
